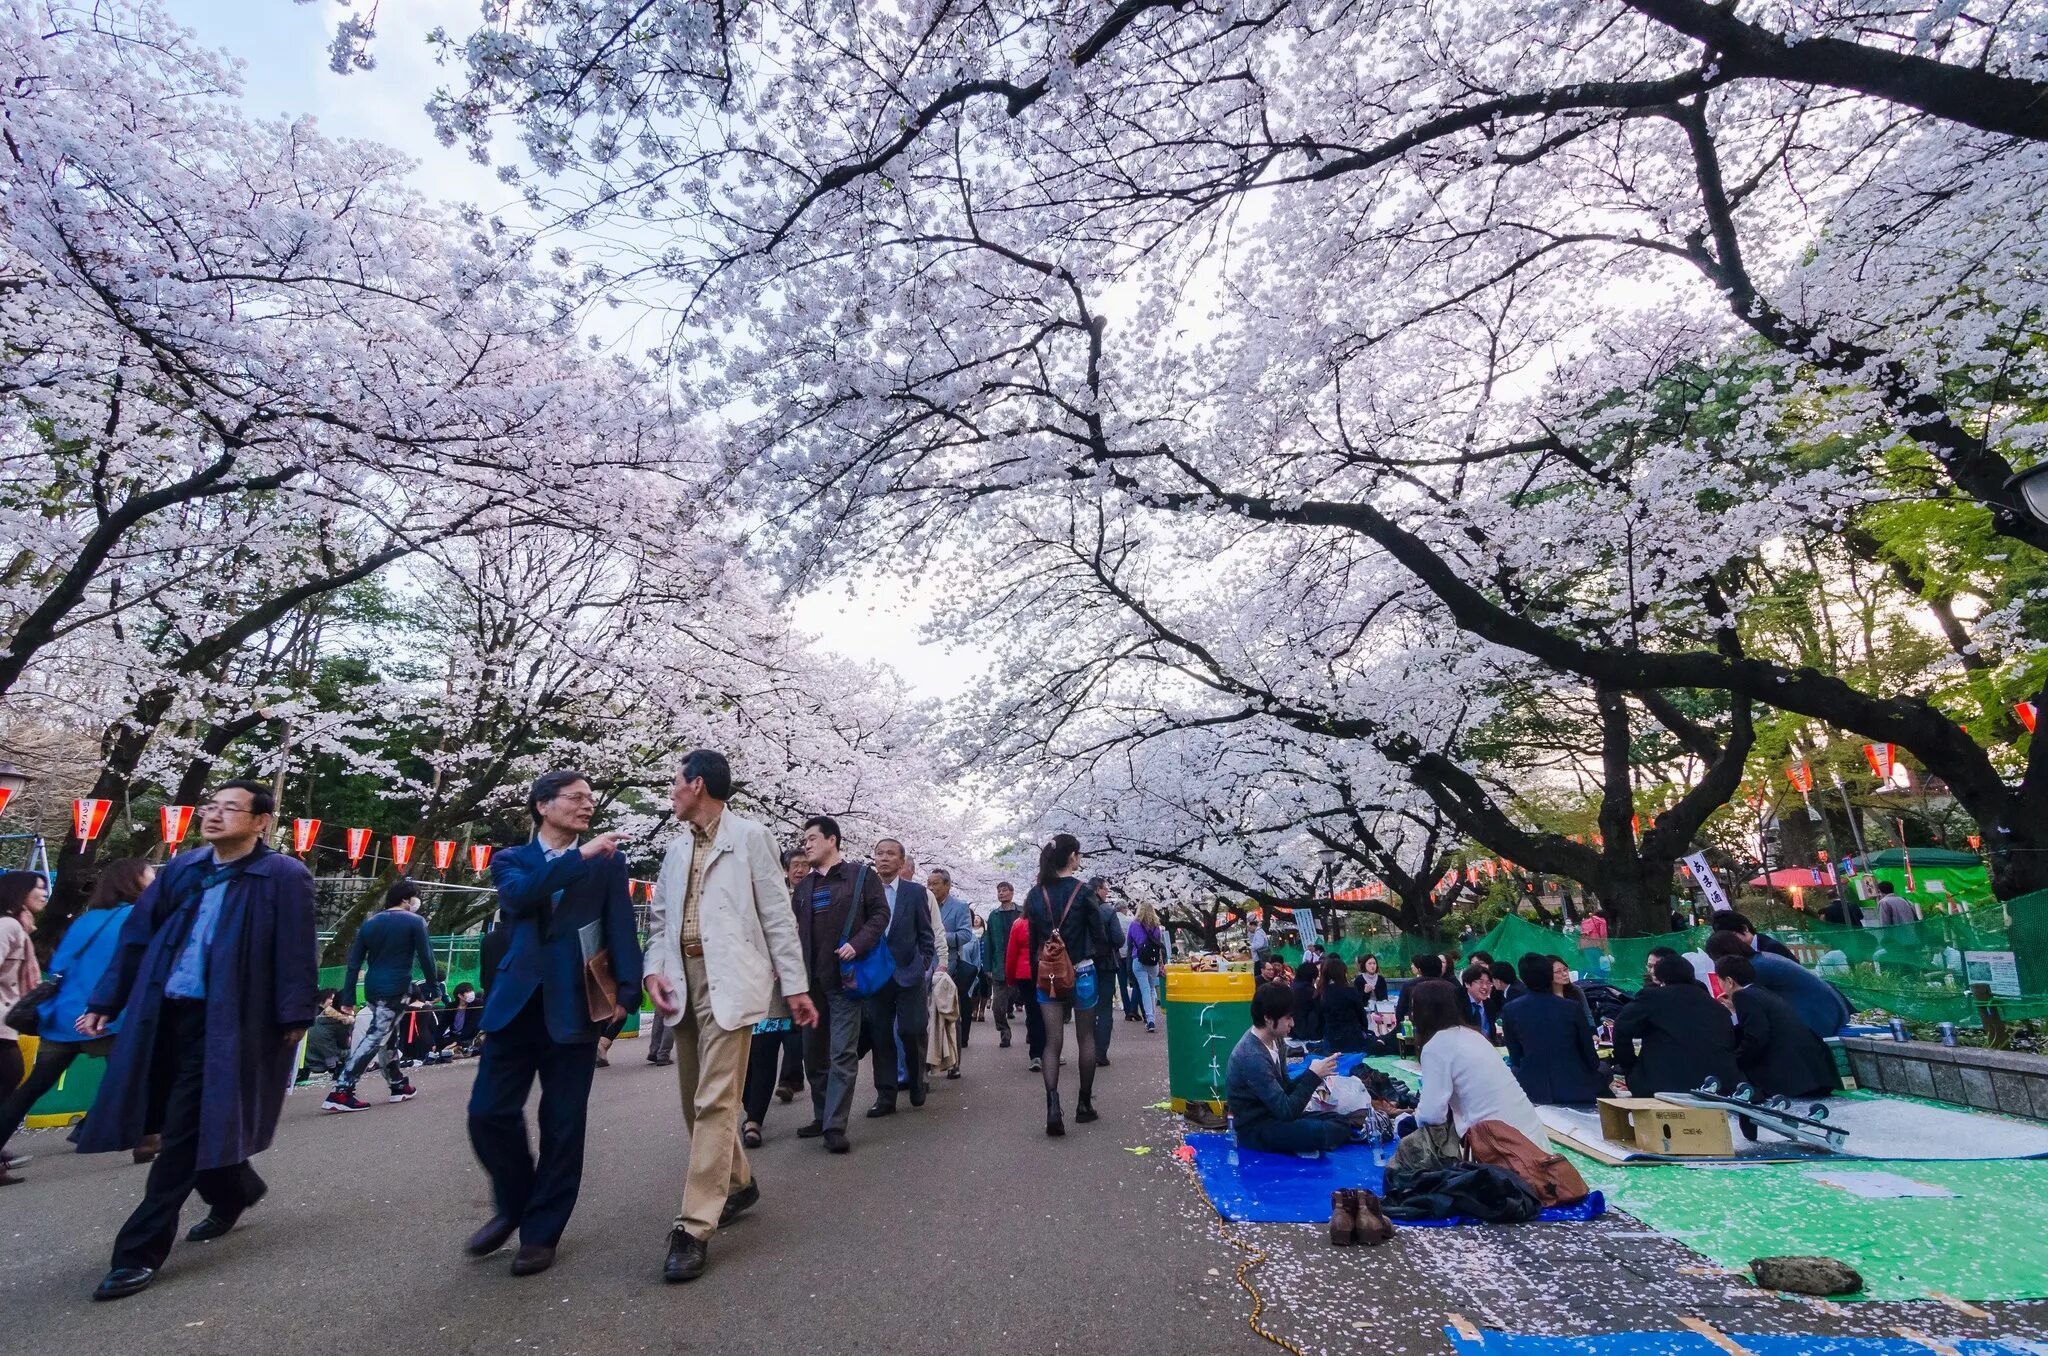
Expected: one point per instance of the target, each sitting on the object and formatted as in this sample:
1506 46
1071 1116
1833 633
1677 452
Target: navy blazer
910 937
1551 1051
543 904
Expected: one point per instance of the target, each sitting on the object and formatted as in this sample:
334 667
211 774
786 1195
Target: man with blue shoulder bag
845 915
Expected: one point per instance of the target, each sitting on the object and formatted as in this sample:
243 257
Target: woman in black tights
1061 902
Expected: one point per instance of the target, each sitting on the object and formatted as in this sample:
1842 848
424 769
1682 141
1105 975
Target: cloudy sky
284 50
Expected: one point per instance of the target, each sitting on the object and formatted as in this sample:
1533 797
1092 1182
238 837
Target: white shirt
1465 1079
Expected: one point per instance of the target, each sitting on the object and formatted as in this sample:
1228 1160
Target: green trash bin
1207 1012
73 1095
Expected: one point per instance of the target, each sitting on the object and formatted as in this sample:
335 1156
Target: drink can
1899 1030
1947 1031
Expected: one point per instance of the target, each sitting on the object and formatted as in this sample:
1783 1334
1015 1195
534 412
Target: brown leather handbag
1055 966
1549 1176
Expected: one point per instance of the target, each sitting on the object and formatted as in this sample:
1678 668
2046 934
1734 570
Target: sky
283 48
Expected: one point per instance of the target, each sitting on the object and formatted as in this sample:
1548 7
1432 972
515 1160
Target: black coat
1342 1013
1308 1013
1082 922
1374 991
1551 1051
1777 1051
1687 1037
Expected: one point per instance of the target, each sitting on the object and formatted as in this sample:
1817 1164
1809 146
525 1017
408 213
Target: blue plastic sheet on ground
1698 1344
1261 1188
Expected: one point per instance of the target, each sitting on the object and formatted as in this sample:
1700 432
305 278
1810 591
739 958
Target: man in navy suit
537 1016
900 1008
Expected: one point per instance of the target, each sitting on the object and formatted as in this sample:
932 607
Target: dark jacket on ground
547 902
1776 1051
1687 1037
262 973
1819 1004
1081 928
820 929
1342 1011
392 942
1551 1051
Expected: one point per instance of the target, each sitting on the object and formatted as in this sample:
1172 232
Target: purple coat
262 972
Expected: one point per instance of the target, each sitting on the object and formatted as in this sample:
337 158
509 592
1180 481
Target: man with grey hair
957 922
898 1009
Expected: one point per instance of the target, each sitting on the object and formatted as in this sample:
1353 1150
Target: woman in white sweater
1464 1079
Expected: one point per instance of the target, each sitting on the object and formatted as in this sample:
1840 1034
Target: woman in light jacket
82 957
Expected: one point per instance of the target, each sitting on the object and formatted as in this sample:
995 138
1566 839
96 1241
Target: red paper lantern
402 845
1881 757
479 857
1801 777
358 844
88 817
6 795
304 832
175 820
444 853
2024 710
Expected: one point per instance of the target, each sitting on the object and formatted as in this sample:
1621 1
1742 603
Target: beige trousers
711 1069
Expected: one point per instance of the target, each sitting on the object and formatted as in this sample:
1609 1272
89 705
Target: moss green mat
1984 1243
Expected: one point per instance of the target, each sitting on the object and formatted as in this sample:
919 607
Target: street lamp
12 781
2032 485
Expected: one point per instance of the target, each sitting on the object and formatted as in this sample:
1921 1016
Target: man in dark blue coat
215 979
562 899
900 1008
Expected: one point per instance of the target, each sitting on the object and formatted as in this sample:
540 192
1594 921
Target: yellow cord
1253 1257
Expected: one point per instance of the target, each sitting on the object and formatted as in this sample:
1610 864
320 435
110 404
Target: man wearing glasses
555 893
215 977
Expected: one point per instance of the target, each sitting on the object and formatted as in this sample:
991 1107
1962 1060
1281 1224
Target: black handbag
24 1016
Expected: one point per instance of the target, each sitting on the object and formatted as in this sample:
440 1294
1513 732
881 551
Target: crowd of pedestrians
770 972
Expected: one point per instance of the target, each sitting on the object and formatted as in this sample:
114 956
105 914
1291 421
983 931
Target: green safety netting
1394 953
457 956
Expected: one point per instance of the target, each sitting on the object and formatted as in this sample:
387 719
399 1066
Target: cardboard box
1654 1126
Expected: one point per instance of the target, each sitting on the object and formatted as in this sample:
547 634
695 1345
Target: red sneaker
341 1099
404 1092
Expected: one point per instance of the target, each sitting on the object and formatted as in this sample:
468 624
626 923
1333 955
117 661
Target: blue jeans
1147 977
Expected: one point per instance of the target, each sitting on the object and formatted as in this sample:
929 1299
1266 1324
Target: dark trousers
762 1077
177 1088
832 1054
899 1009
538 1196
1034 1020
51 1061
999 1006
1296 1136
964 978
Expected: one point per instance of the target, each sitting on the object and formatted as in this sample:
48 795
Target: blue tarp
1261 1188
1698 1344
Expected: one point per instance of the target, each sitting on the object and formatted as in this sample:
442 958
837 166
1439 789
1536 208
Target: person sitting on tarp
1760 943
1308 1015
1550 1050
1685 1036
1268 1109
1819 1004
1342 1009
1464 1081
1776 1051
1427 965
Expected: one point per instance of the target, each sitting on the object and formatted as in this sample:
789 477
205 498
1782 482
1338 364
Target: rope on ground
1254 1256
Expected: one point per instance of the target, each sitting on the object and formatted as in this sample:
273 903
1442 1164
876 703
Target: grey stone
1863 1065
1948 1085
2012 1093
2037 1092
1881 1073
1806 1275
2011 1061
1916 1079
1977 1089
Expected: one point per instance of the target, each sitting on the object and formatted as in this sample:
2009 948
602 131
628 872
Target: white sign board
1305 924
1710 884
1999 969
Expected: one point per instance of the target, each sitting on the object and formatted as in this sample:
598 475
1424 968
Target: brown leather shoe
532 1259
1374 1228
146 1148
1343 1217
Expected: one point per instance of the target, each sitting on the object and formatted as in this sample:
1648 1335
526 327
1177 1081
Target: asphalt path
958 1227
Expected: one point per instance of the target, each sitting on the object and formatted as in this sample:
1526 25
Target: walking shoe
1055 1126
918 1091
786 1094
497 1230
811 1131
1037 1065
1085 1113
147 1147
1005 1045
884 1106
16 1161
216 1225
1151 1029
739 1203
1343 1217
835 1142
122 1282
1374 1228
750 1136
686 1258
1102 1061
953 1072
404 1092
344 1099
532 1259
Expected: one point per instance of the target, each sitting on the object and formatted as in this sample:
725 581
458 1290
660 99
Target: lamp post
1327 857
2032 487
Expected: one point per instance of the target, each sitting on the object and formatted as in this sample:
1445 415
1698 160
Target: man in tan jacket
722 954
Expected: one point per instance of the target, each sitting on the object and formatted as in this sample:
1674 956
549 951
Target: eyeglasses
217 807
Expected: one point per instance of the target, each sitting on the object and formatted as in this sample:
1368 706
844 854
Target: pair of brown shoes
1355 1217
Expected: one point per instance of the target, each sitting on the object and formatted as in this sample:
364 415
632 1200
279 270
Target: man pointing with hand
722 954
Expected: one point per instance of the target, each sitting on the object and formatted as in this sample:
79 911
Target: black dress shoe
811 1131
491 1237
216 1225
917 1094
1085 1113
886 1107
532 1259
686 1258
737 1204
835 1142
122 1282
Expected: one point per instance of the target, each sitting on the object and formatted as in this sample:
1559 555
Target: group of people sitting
426 1033
1766 1027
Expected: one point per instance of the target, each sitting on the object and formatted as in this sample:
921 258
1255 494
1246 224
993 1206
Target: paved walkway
956 1229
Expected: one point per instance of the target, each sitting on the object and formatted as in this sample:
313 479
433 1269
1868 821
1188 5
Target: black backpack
1150 952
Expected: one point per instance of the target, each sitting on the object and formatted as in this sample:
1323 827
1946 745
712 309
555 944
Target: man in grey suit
900 1009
